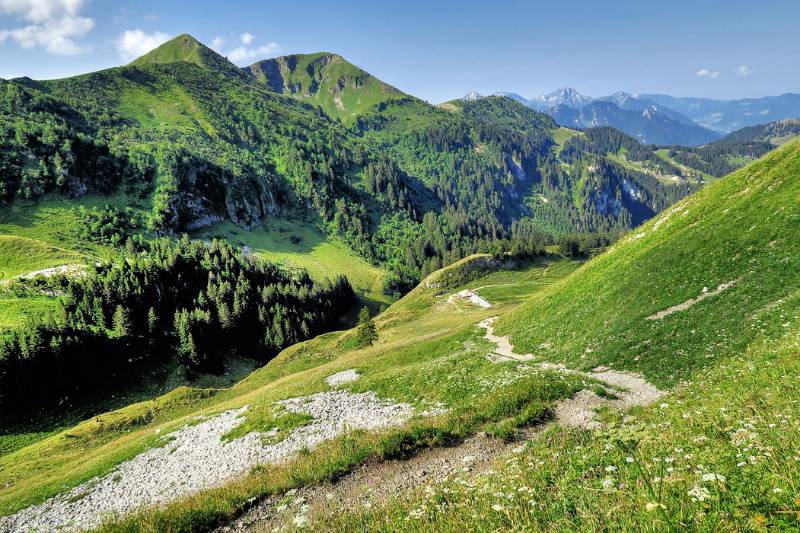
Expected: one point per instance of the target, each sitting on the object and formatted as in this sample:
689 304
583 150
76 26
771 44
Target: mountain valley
289 296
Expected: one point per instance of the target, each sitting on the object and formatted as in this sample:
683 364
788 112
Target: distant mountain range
726 116
659 119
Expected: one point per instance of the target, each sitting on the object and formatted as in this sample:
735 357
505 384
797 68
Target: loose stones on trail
195 458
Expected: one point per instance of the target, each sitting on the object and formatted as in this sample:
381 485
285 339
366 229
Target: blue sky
439 50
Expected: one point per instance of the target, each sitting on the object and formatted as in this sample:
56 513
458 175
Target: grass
429 353
740 228
44 235
297 243
719 454
15 311
19 255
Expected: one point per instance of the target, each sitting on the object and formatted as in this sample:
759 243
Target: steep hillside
342 90
506 153
704 300
696 285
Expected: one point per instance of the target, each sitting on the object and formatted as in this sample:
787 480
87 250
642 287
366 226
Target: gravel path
692 301
195 458
630 388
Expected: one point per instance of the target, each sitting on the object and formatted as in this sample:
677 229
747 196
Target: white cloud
245 53
133 43
247 38
52 25
217 43
705 73
743 71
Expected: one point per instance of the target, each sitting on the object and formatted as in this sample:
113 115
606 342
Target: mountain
185 48
328 80
726 116
116 164
565 96
183 243
644 119
513 96
775 133
634 102
472 96
648 125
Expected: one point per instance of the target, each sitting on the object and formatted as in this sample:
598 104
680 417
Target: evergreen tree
366 332
121 322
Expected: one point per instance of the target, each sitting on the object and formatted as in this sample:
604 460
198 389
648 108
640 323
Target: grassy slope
44 235
299 244
720 453
740 228
422 357
316 78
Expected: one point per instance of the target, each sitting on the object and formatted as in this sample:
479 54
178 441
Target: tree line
205 301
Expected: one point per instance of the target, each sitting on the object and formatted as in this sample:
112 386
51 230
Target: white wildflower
714 477
699 494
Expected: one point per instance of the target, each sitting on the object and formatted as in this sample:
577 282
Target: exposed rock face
247 205
206 195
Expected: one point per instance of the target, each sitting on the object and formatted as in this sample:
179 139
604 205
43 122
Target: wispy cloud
50 24
706 73
743 71
133 43
246 49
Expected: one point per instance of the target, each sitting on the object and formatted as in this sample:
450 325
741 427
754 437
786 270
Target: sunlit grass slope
739 233
429 353
721 451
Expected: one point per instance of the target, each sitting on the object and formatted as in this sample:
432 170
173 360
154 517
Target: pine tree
366 333
121 323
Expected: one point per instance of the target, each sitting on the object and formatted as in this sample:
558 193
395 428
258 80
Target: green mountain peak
342 89
185 48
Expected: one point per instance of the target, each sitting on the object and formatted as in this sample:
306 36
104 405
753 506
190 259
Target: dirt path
503 351
692 301
629 388
376 481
